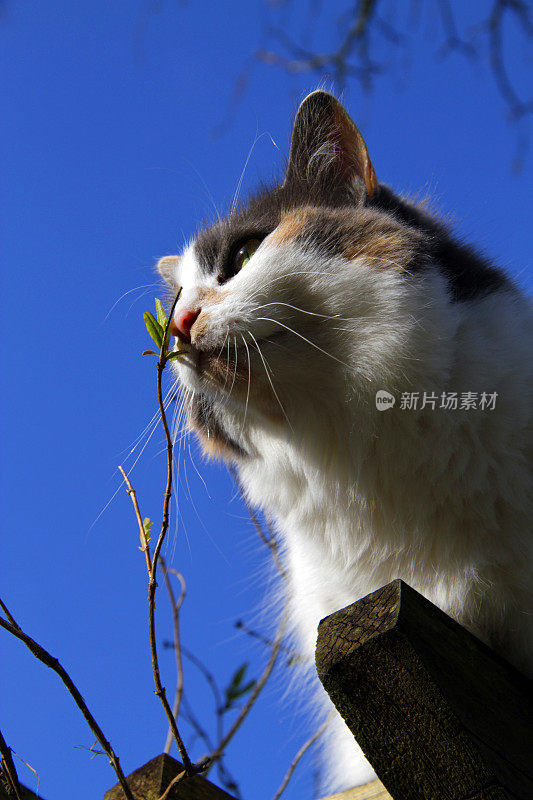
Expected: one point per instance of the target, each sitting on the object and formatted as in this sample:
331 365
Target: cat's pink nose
182 323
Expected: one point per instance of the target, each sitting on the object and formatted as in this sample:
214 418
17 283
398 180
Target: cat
300 312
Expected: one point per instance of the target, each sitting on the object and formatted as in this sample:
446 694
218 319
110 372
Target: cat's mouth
234 351
237 368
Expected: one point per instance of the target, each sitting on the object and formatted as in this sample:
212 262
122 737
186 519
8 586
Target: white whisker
122 296
249 381
277 322
235 369
269 378
241 178
301 310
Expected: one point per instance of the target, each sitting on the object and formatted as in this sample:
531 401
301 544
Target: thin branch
226 778
293 656
179 777
517 107
176 606
217 695
352 53
194 722
269 540
145 544
337 61
8 769
32 769
298 757
8 614
48 660
453 39
254 694
208 676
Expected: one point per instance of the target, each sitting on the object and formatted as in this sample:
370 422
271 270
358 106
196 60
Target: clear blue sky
109 161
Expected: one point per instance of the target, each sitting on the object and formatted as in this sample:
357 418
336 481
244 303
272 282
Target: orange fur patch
386 248
207 298
291 226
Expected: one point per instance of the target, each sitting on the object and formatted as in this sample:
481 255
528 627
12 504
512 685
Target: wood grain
436 712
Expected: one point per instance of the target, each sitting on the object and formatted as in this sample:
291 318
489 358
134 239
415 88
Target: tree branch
254 694
298 757
49 661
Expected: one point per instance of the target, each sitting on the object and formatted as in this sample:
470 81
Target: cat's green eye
244 254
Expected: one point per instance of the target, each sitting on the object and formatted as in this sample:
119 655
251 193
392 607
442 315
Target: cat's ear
328 155
167 267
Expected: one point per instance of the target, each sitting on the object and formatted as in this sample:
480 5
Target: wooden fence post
437 713
150 781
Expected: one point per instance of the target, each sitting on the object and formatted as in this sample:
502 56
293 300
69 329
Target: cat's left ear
328 155
167 268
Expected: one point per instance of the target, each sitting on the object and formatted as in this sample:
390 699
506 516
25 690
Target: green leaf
243 690
153 327
161 316
174 355
149 353
238 676
147 526
236 688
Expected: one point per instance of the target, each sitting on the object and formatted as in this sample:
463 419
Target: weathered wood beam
370 791
437 713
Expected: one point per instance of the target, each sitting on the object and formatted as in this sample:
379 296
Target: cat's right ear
328 156
167 268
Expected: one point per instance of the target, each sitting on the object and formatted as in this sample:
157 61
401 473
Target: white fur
441 499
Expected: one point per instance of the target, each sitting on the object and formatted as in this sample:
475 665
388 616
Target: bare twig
32 769
268 539
217 694
293 656
200 767
298 757
176 605
92 749
48 660
517 107
254 694
179 777
145 543
453 39
8 614
8 769
354 53
226 778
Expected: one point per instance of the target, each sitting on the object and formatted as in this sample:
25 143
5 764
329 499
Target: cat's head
299 300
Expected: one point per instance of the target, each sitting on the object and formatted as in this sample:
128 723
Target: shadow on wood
437 713
150 781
